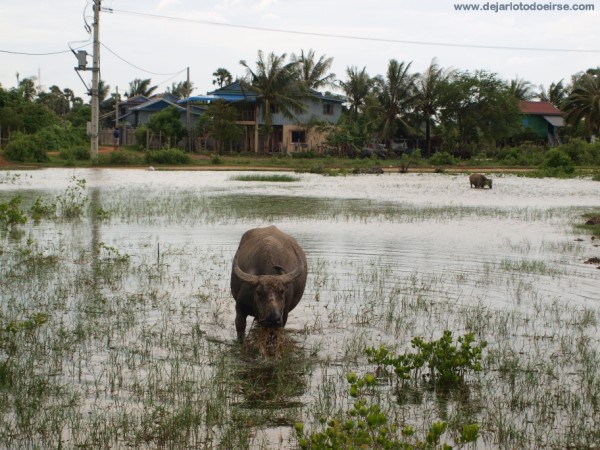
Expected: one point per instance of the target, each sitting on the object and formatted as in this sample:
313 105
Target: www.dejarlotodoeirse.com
523 6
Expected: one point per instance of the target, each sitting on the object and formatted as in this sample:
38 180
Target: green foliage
219 122
168 156
79 153
34 147
524 155
9 331
125 158
41 209
168 123
478 108
365 425
25 148
442 159
11 213
447 362
72 203
556 163
141 135
11 334
310 154
350 133
270 178
582 152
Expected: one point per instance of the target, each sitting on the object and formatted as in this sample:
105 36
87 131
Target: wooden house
543 119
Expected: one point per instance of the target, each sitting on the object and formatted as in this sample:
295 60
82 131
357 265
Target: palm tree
183 89
521 89
583 103
27 89
357 87
103 90
275 83
140 87
314 74
396 93
222 77
429 89
555 94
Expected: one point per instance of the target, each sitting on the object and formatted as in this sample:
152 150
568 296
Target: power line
352 37
36 54
139 68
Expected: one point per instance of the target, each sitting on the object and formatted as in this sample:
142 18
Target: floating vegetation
276 178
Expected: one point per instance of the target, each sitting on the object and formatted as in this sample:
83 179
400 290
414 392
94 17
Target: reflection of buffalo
267 278
479 181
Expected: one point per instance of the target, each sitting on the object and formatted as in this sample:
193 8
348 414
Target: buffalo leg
240 325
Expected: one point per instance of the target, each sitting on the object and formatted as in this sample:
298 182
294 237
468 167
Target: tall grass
117 332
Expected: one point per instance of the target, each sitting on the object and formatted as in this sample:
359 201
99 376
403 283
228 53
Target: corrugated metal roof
539 108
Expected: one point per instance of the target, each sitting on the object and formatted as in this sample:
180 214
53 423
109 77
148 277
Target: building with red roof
543 119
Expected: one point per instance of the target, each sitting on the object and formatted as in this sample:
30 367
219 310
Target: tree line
451 110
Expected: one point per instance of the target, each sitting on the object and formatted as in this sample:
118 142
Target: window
273 108
328 109
298 136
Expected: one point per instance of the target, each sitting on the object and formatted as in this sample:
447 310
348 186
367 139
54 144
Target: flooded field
116 319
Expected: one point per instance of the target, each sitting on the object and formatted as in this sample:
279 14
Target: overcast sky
159 39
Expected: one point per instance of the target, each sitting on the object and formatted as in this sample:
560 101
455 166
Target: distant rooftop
539 108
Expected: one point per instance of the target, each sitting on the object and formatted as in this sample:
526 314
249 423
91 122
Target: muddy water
513 247
431 224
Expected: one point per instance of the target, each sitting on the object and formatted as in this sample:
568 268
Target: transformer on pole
94 132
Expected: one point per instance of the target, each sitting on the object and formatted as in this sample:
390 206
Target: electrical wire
139 68
352 37
36 54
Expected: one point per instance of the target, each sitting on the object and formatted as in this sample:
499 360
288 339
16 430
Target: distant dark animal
268 277
479 181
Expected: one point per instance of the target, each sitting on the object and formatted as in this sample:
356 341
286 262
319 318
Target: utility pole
95 80
117 108
188 118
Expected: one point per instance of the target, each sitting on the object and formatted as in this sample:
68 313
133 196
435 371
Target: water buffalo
267 277
479 181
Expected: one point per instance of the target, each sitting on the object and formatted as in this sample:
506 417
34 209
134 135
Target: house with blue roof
305 131
137 110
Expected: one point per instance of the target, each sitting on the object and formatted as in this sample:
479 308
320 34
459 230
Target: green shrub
442 159
556 164
304 154
25 148
447 362
40 209
11 213
365 425
79 153
125 158
141 135
168 156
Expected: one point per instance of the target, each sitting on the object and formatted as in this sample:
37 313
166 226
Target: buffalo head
270 293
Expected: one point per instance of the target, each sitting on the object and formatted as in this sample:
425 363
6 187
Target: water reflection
390 257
